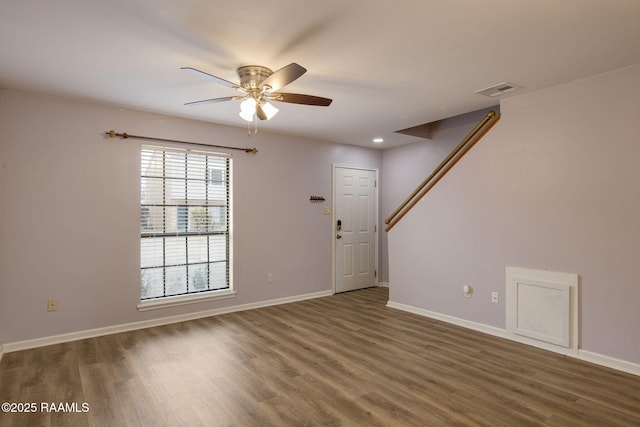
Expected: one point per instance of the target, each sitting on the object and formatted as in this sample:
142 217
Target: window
185 214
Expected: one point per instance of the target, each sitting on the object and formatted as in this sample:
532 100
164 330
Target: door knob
339 236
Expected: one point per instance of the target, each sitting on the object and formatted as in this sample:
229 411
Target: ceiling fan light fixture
248 109
246 116
269 110
248 105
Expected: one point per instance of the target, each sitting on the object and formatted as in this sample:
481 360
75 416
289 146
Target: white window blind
185 216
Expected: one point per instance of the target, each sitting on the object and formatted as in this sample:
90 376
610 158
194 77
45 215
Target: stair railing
456 154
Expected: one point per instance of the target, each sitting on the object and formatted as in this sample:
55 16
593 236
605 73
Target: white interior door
355 228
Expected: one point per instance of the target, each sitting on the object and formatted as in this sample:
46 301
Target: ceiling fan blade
260 112
298 98
284 76
213 100
211 76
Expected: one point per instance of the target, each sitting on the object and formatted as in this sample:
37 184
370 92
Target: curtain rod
124 135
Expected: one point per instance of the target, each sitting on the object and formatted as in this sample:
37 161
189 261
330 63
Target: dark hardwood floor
341 360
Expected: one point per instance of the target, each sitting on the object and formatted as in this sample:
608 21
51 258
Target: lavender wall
409 165
69 213
553 186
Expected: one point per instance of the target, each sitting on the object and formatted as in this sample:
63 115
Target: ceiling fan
259 85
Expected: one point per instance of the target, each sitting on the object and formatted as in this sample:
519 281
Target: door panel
356 236
364 259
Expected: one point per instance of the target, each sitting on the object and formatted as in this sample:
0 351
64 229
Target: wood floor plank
343 360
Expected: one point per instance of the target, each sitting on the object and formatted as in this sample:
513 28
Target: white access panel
542 306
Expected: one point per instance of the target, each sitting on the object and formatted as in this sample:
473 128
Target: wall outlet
269 277
494 298
52 305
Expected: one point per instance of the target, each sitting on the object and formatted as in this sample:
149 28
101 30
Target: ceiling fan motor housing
252 76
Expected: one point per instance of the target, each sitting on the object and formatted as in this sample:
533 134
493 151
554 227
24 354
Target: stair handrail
465 145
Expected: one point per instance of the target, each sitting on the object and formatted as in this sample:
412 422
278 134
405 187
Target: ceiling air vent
497 90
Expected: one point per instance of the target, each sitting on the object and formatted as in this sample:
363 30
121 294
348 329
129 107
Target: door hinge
375 273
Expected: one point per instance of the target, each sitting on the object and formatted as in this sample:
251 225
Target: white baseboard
450 319
108 330
609 362
598 359
383 284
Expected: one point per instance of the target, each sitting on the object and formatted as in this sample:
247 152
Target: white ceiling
388 65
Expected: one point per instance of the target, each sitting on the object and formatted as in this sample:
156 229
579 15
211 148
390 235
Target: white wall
553 186
69 213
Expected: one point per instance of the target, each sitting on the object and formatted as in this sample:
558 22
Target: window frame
188 297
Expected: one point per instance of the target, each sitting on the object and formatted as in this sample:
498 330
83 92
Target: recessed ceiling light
378 140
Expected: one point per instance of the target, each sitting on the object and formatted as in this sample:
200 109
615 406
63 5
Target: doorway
355 219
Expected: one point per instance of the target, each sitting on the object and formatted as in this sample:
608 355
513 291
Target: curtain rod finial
112 134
